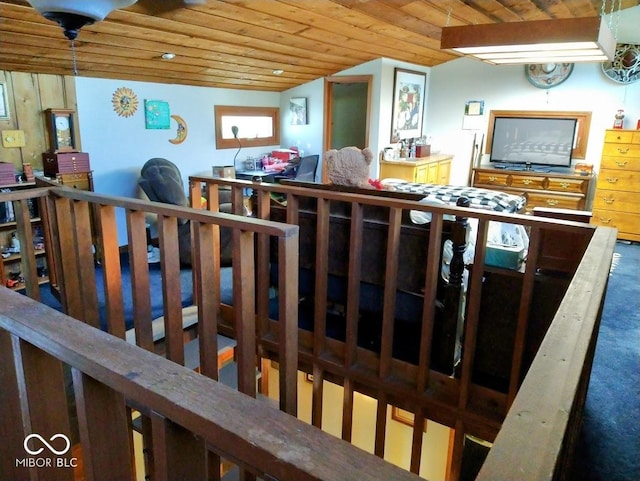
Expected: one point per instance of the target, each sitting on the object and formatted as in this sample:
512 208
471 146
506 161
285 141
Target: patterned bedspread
480 198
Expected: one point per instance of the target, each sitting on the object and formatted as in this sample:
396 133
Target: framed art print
298 110
4 102
408 104
157 114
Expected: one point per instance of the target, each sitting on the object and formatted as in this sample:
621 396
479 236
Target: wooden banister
185 404
457 401
170 394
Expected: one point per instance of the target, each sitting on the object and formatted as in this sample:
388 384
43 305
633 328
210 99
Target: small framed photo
298 110
4 102
474 107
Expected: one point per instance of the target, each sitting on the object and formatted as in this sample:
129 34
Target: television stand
543 189
524 168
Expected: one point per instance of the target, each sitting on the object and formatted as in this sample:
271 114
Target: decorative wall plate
547 75
125 102
625 67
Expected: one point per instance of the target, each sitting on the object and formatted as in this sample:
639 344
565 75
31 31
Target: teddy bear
349 166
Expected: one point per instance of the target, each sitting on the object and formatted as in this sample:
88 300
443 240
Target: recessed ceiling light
278 72
168 56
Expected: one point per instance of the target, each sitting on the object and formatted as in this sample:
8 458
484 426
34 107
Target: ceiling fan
72 15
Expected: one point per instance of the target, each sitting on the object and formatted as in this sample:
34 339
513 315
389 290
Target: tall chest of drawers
617 199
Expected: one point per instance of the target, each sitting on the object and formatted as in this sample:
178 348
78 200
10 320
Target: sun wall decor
125 102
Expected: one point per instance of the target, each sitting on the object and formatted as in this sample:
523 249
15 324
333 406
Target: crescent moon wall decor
181 133
125 102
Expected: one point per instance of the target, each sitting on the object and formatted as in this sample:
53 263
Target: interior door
346 113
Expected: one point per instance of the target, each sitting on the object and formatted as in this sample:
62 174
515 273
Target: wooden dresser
542 189
434 169
617 199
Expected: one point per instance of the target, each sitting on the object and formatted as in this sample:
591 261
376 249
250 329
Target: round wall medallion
625 67
125 102
547 75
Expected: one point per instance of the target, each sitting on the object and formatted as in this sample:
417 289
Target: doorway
346 112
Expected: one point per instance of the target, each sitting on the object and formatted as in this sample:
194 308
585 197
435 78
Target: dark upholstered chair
161 181
305 170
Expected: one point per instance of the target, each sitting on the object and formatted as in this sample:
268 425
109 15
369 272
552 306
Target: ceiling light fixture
72 15
168 56
586 39
278 71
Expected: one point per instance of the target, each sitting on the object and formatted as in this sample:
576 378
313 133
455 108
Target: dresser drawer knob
608 200
621 163
623 151
552 202
526 181
565 185
492 178
612 180
605 221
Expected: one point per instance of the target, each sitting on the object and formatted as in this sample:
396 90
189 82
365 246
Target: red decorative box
7 173
423 151
284 154
65 163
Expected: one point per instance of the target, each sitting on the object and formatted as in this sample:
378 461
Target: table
255 174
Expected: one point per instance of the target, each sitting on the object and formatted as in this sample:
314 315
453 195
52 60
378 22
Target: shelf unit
12 266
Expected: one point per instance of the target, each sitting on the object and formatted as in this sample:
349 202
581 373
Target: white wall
311 136
507 88
119 146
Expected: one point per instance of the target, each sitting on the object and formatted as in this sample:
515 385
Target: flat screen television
531 141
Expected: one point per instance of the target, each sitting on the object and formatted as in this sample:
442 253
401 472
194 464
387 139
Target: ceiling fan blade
156 7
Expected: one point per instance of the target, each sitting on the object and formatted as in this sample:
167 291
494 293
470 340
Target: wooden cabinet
616 202
69 168
11 248
79 180
434 169
542 189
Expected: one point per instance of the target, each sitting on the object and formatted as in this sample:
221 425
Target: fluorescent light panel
585 39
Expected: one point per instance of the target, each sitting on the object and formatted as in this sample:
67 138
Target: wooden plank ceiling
240 43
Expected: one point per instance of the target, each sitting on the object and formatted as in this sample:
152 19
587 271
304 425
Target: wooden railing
83 244
193 417
460 401
159 389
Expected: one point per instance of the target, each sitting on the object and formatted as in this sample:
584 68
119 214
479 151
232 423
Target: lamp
234 131
72 15
586 39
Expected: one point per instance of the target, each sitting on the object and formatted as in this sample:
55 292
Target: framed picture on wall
298 110
408 104
4 102
157 114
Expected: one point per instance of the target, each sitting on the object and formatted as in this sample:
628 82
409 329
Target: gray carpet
609 446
